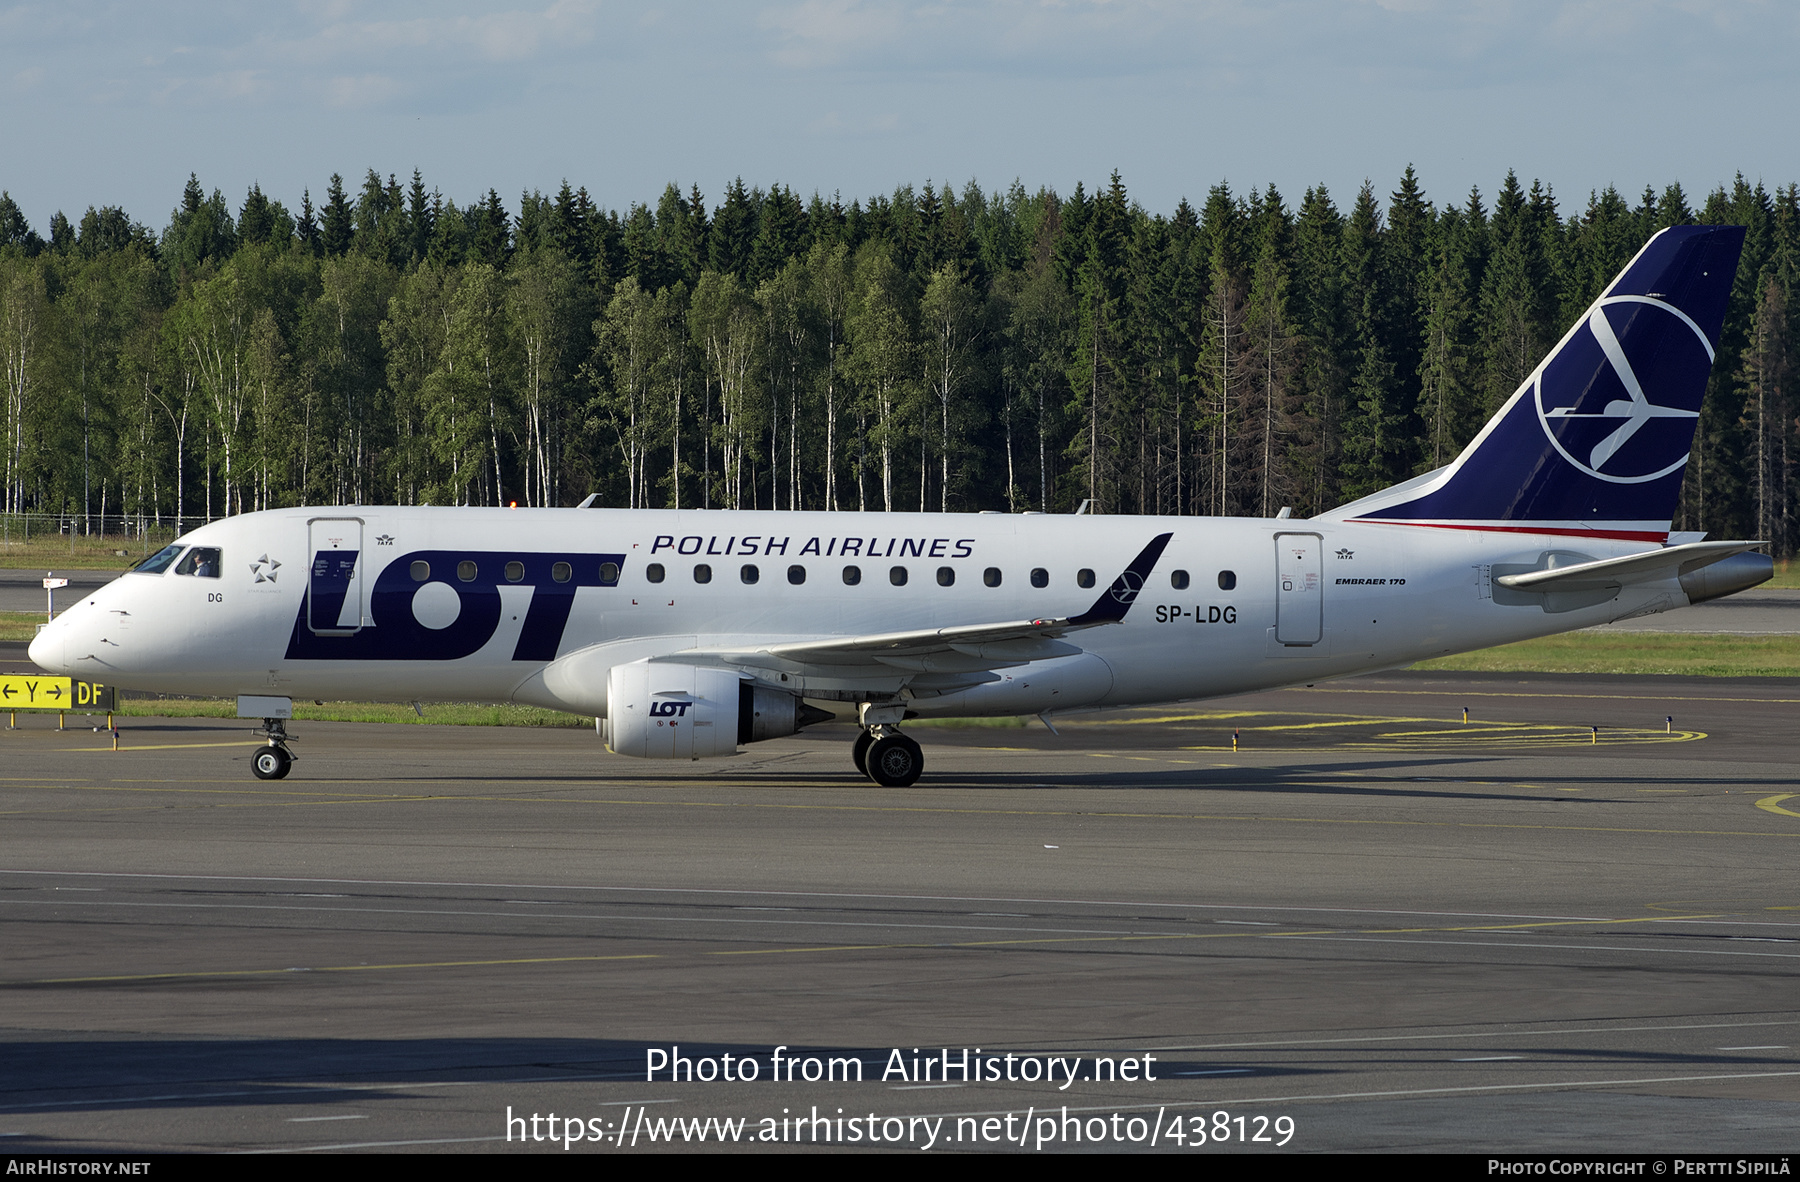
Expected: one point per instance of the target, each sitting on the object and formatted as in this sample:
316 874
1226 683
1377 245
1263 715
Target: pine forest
935 349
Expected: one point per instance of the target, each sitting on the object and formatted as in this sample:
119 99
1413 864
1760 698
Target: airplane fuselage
536 605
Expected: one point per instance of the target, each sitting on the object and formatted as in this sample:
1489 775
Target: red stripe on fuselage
1623 535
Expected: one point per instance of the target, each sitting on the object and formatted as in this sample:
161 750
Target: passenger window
202 561
991 576
897 575
515 571
609 574
946 576
158 562
702 573
465 570
1084 577
796 575
1178 579
748 572
654 572
421 570
561 572
852 575
1040 577
1227 580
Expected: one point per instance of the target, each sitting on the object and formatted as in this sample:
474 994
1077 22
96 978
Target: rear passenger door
1299 589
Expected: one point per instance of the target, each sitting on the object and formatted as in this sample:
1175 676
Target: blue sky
115 103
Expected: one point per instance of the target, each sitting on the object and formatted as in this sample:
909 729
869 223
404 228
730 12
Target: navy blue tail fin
1595 440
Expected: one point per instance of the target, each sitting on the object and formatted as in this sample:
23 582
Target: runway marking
1352 938
1331 934
162 746
1304 1098
1772 804
302 1120
1546 1085
649 802
1452 692
340 968
1446 731
1553 1032
742 893
375 1145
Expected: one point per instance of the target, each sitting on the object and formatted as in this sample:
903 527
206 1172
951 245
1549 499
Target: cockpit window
159 562
202 561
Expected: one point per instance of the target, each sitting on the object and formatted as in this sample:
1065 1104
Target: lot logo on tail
1618 401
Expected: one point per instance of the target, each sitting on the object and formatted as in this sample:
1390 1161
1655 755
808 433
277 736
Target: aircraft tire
271 763
859 752
895 761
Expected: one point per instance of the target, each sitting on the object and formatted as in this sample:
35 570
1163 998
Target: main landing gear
888 757
274 761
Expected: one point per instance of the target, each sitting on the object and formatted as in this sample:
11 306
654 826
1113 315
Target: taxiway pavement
1399 930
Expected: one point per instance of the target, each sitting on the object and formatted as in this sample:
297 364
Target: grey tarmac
1570 924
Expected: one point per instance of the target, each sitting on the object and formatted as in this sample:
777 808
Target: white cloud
366 90
826 32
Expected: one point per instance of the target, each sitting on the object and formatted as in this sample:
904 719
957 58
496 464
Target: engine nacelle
663 711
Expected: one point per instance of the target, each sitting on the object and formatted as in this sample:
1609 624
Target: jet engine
662 711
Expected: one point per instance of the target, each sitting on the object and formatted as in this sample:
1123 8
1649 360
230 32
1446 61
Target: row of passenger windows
561 572
898 576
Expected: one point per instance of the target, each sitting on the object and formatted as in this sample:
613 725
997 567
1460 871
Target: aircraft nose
47 650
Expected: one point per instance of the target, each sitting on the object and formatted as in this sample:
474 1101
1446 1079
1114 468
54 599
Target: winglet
1117 599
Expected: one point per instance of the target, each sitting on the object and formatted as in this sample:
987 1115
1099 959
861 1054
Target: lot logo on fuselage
1620 400
452 610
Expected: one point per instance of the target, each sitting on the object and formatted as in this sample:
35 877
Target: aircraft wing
1664 563
959 649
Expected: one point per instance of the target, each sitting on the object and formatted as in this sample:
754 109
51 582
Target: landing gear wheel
895 761
859 751
271 763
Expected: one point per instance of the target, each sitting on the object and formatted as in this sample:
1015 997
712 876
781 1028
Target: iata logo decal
1621 399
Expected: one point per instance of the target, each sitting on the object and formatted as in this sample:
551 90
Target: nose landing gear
274 761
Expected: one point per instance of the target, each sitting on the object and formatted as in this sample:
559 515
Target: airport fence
85 540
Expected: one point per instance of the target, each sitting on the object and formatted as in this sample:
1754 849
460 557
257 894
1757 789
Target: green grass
54 551
1695 655
1787 576
19 626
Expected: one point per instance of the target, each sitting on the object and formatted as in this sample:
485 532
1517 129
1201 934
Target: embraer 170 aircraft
692 632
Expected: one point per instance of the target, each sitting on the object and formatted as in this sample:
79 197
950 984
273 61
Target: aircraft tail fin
1594 442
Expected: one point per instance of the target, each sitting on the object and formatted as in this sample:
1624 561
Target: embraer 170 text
692 632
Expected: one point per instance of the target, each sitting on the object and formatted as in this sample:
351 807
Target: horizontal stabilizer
1651 566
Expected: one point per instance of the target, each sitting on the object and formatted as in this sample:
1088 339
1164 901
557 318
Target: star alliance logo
1614 427
265 576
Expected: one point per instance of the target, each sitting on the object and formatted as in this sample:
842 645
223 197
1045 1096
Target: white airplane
693 632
